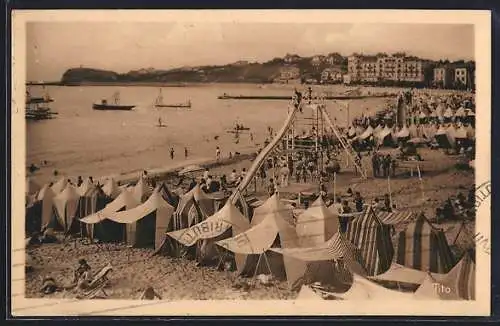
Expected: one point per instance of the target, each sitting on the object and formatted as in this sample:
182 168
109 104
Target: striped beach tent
272 231
461 279
373 239
332 262
395 217
424 247
171 197
193 207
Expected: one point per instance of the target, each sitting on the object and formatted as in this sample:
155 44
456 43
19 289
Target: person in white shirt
205 174
217 153
209 181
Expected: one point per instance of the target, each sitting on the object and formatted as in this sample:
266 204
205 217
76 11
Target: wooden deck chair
97 284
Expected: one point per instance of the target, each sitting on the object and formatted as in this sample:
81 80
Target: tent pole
270 272
389 187
334 186
256 269
421 183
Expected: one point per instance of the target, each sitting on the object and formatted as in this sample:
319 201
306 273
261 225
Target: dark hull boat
184 105
112 107
39 100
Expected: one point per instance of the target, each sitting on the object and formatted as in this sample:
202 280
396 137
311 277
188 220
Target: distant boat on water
159 103
40 99
35 109
115 106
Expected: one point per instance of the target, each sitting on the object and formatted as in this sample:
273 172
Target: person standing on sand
172 152
217 153
271 188
185 152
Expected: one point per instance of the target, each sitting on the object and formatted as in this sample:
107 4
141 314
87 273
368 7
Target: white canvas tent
59 185
66 206
316 224
147 223
111 188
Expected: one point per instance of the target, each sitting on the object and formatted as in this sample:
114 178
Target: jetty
288 98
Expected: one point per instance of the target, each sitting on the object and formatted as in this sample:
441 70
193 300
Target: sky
54 47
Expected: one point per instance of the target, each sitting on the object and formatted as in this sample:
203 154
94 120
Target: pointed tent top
124 200
448 113
85 187
318 210
141 189
46 191
111 188
231 214
272 206
153 203
69 192
59 185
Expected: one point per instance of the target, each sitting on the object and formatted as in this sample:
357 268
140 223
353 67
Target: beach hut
147 223
331 263
66 208
193 207
271 231
99 227
225 223
373 240
316 224
424 247
39 212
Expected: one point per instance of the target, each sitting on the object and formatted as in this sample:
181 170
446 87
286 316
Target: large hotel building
367 68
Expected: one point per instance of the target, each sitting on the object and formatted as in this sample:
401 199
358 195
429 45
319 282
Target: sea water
83 141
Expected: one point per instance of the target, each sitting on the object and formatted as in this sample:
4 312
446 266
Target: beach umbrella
191 169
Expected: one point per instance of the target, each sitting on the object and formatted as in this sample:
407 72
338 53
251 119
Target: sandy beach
176 279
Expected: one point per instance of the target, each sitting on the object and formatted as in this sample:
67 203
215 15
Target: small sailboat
159 103
115 106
